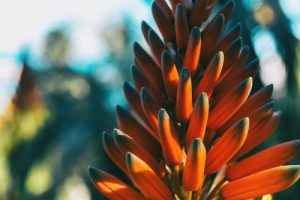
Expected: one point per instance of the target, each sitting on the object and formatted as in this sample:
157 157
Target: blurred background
62 65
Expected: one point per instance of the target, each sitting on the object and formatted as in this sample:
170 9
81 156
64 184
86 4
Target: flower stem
188 195
176 179
215 190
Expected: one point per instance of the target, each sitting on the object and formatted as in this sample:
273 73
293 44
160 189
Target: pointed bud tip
119 109
129 158
144 25
202 98
162 115
220 19
180 9
248 81
151 34
136 47
166 58
196 144
144 93
269 87
244 123
269 105
196 33
117 132
184 74
220 55
94 173
126 86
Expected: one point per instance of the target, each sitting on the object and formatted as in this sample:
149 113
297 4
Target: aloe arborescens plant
193 117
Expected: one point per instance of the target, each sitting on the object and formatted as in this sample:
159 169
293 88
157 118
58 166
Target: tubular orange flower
227 106
168 137
271 157
113 152
265 182
227 84
125 144
128 124
150 109
193 171
198 12
232 35
198 122
257 137
210 38
226 147
145 179
156 45
170 74
265 111
211 75
191 96
251 105
181 26
133 99
140 81
184 104
166 28
192 54
112 187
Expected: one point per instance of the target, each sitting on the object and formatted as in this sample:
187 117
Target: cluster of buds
194 120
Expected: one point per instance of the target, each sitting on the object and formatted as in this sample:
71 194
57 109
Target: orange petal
126 143
255 101
140 81
145 29
148 66
193 171
198 12
113 152
184 104
170 74
145 179
210 38
112 187
156 45
231 54
265 182
226 10
210 76
264 111
150 109
166 28
227 84
240 64
186 3
181 27
257 137
165 10
168 137
198 121
128 124
227 146
192 53
269 158
230 103
233 34
133 99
